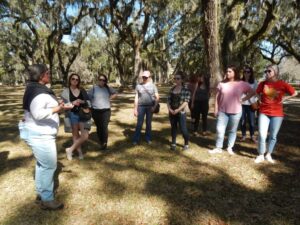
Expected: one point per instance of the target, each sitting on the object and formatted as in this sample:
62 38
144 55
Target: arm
186 98
136 99
249 95
113 96
156 95
216 104
193 97
113 93
168 103
86 99
181 107
290 96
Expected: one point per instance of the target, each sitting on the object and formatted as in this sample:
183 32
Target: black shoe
51 205
103 147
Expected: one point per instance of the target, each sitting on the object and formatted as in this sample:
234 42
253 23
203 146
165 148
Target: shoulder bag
157 106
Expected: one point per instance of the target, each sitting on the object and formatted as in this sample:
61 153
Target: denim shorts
74 118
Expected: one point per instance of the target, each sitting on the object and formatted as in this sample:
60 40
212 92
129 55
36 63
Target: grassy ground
150 184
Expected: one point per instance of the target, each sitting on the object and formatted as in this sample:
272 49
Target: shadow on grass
219 194
188 200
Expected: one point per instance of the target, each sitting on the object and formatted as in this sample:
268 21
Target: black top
76 108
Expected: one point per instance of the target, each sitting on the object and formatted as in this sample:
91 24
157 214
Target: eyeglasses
177 78
268 71
145 78
74 79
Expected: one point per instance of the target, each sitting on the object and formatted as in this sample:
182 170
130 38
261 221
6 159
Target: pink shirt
230 93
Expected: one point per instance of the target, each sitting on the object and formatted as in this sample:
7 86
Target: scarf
32 90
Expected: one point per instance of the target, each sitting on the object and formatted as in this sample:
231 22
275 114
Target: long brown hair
236 73
205 81
251 78
71 76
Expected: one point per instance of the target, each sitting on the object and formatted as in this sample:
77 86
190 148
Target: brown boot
38 200
51 205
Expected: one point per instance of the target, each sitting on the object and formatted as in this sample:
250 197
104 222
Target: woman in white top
247 113
100 96
41 124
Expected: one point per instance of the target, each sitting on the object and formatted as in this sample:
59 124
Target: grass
149 184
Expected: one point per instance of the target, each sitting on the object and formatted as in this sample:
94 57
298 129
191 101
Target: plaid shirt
185 95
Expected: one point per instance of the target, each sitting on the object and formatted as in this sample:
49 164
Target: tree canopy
123 37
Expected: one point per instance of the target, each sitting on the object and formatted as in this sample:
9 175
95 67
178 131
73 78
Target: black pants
179 118
200 108
101 118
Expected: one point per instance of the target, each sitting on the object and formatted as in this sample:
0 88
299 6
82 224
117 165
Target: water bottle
23 130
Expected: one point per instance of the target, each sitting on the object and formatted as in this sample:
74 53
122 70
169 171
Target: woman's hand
215 113
135 112
67 106
77 102
175 111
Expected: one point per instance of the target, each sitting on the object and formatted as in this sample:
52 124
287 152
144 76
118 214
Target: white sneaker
80 155
69 154
215 150
269 158
243 138
229 150
259 159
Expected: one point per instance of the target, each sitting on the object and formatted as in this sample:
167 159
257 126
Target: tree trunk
137 60
211 38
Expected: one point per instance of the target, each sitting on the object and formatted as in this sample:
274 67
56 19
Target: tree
211 14
38 29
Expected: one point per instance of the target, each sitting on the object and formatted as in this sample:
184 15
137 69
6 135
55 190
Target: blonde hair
275 68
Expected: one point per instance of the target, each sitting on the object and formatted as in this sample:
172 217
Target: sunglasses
177 78
102 80
268 71
145 78
247 71
75 79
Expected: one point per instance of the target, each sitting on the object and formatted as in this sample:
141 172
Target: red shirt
271 96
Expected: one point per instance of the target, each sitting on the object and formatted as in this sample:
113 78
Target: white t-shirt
252 99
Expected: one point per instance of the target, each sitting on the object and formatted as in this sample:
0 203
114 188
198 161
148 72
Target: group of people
233 106
232 102
98 99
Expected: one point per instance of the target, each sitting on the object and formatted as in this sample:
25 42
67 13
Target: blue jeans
265 124
44 151
224 119
142 111
247 116
74 118
179 118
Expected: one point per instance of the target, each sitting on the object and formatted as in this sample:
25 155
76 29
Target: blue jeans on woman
142 111
268 123
179 118
248 115
224 119
44 150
